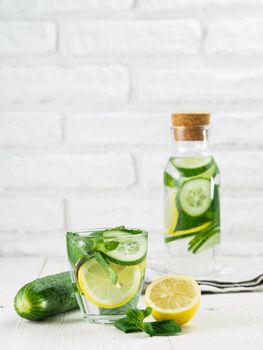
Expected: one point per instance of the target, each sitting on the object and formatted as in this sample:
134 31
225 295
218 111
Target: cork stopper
190 126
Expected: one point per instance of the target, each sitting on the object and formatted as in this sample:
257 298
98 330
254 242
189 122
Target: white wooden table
232 321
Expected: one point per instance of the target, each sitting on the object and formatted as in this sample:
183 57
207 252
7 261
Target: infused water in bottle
191 199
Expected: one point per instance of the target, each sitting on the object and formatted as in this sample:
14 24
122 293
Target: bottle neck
189 144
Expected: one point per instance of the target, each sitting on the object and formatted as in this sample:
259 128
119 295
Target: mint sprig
134 322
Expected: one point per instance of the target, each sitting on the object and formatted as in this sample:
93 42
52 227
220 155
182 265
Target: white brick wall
92 171
244 38
21 85
30 130
135 129
135 212
20 214
27 37
50 6
217 85
132 38
86 92
201 5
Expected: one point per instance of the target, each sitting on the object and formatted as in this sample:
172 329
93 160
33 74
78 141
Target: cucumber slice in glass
131 249
195 196
192 166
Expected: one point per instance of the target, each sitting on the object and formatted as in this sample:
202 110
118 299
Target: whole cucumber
45 297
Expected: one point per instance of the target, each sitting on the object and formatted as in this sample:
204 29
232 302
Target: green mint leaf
132 231
129 325
138 314
102 261
90 244
161 328
117 228
123 229
133 322
77 248
111 245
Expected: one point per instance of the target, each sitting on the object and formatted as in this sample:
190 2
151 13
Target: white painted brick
153 166
228 128
132 37
235 38
31 214
237 129
30 129
70 85
240 170
93 171
40 245
125 128
242 219
32 6
167 5
231 85
105 212
27 37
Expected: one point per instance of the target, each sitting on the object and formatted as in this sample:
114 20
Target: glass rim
81 233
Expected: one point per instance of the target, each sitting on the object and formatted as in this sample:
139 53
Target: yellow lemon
97 287
173 298
192 230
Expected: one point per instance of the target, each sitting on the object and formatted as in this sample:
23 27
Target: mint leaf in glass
110 245
102 261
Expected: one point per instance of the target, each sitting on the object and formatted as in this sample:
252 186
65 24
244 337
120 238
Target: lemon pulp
173 297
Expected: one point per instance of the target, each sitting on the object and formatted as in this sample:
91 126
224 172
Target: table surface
229 321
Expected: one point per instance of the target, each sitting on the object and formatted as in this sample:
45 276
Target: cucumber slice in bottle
131 250
195 196
192 166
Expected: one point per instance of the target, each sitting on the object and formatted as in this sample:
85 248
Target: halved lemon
173 298
97 288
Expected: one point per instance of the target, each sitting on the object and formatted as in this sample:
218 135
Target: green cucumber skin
125 263
46 296
189 172
196 244
170 181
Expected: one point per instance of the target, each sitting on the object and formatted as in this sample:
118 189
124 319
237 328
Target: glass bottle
191 199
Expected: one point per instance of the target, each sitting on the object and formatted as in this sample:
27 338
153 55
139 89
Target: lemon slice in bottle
172 213
98 289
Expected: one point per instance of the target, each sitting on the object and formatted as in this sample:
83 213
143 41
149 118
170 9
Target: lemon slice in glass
173 298
98 289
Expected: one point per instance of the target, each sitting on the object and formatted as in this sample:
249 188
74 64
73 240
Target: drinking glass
107 268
